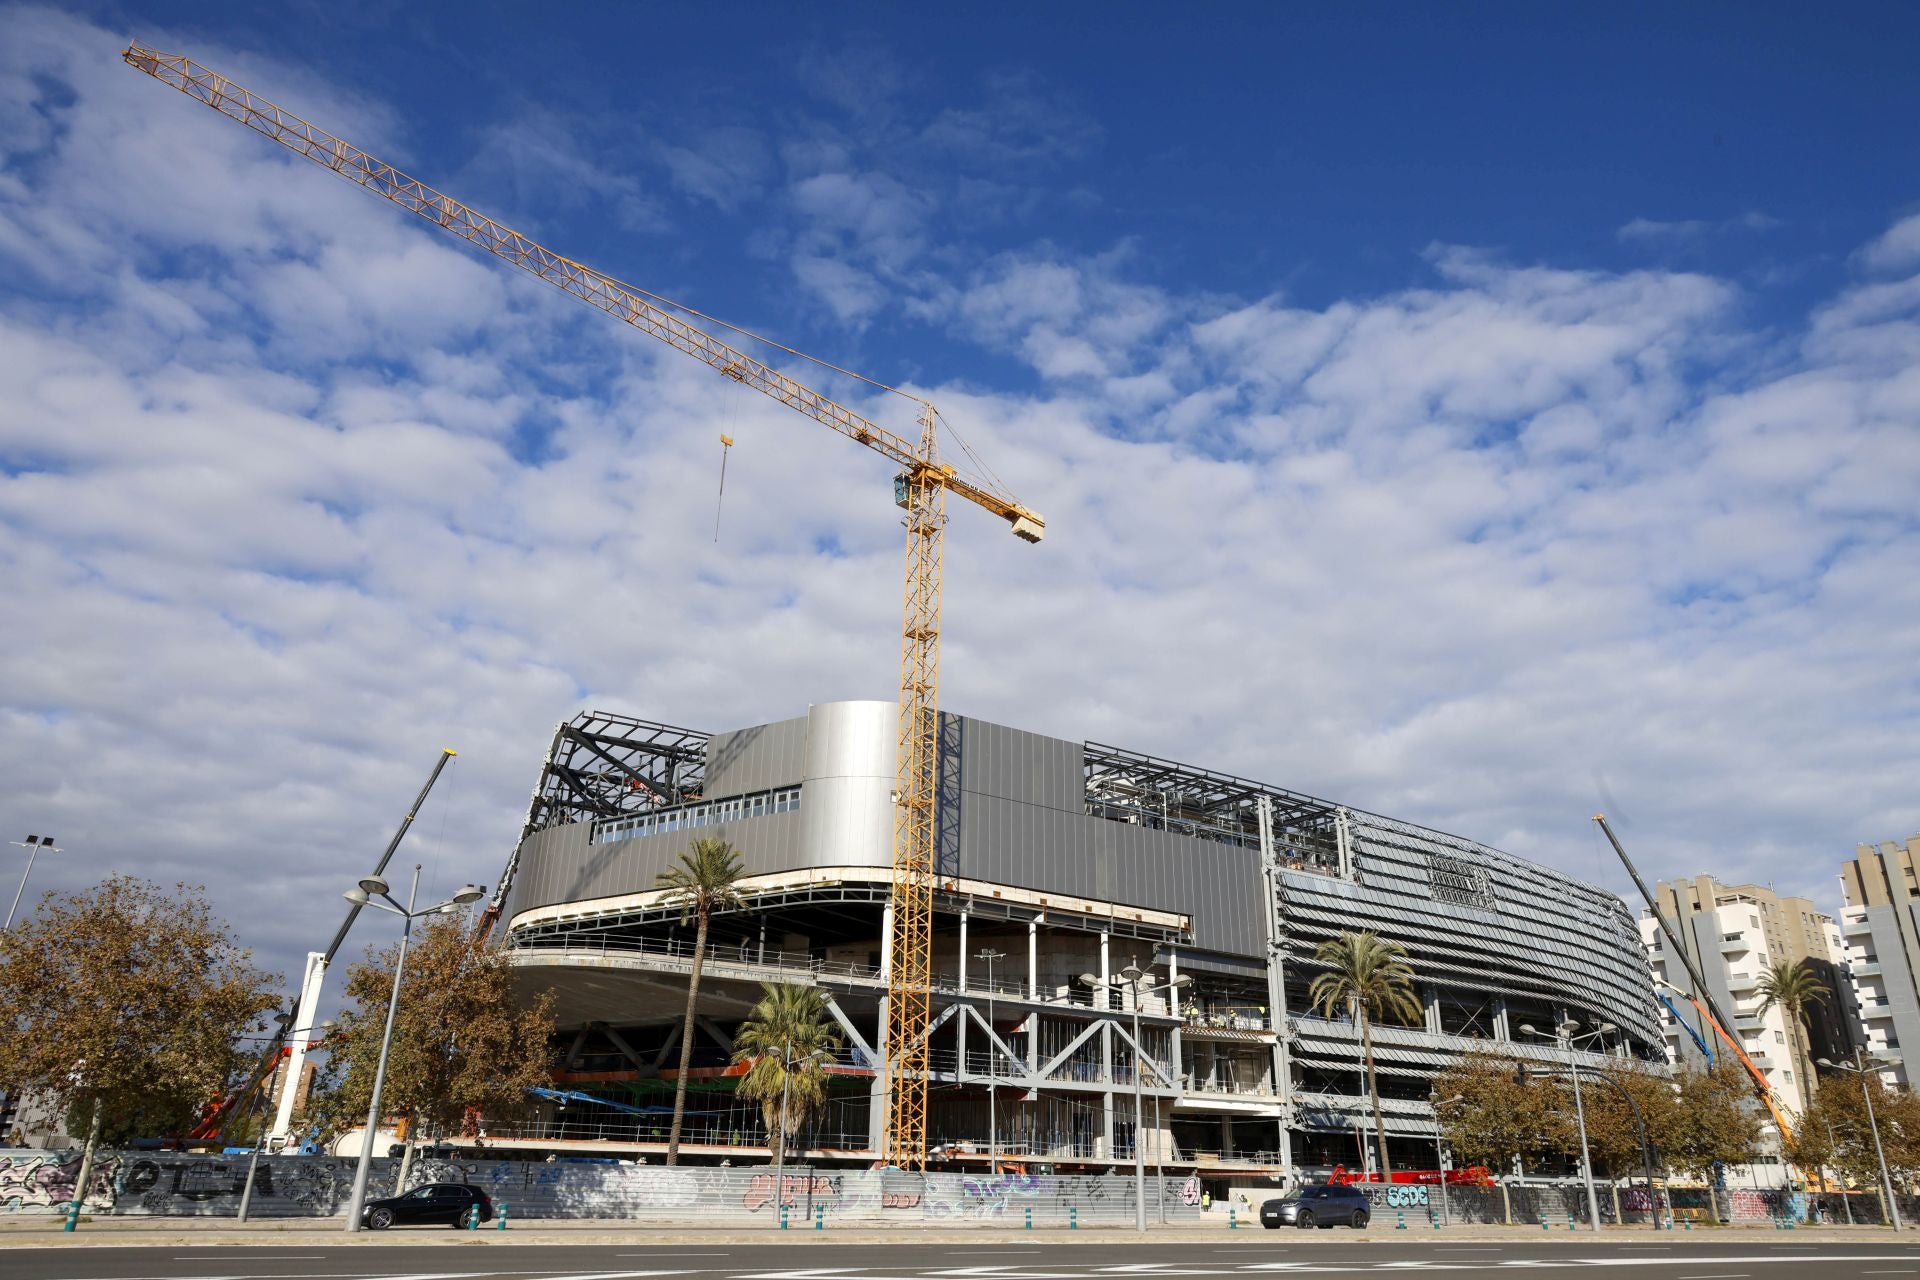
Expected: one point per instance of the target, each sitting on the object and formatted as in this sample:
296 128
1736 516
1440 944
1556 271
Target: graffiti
794 1188
1636 1200
43 1183
1403 1195
1190 1191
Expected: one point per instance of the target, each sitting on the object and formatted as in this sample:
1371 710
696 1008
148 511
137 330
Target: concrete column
1033 958
1104 999
963 953
1174 1052
1502 1021
877 1095
1433 1012
1106 1098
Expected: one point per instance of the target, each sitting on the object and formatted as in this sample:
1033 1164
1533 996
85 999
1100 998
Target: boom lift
921 487
1700 997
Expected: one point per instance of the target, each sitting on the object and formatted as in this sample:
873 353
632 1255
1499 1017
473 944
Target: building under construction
1057 862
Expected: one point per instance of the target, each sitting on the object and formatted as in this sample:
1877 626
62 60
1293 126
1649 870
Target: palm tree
790 1025
700 885
1369 977
1791 986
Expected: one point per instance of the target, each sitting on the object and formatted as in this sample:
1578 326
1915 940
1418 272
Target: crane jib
925 483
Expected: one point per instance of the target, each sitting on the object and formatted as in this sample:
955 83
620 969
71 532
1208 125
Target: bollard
1435 1215
500 1223
1401 1214
783 1217
819 1217
1073 1217
73 1216
1543 1223
1233 1222
1572 1223
1029 1217
472 1216
1686 1223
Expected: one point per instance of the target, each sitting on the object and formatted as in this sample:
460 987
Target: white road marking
248 1257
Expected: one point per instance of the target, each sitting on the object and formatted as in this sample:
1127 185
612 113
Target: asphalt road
1279 1256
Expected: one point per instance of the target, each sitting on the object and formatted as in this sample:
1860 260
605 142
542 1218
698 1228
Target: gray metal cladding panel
1034 847
558 865
1016 765
756 759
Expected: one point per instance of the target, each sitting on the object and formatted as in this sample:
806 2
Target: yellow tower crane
921 487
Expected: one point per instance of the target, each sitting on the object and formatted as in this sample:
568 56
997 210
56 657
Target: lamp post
787 1063
260 1138
989 955
1439 1152
364 895
33 845
1563 1036
1136 978
1860 1069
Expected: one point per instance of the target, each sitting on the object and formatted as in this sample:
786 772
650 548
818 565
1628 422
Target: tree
1369 978
126 1004
1498 1118
1792 987
1715 1121
1613 1138
790 1023
462 1045
1840 1110
701 885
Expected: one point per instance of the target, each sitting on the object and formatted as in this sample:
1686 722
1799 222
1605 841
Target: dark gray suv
1328 1205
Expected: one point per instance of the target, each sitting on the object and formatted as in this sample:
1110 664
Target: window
1778 1038
688 817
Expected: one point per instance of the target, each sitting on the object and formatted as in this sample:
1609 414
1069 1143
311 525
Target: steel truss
1128 786
601 765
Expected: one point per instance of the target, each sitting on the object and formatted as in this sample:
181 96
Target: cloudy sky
1466 422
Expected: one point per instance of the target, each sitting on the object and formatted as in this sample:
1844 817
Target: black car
438 1203
1328 1205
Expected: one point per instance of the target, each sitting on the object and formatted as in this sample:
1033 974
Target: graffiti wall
172 1184
43 1182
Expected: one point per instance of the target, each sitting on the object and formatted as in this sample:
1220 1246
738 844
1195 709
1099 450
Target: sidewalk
39 1231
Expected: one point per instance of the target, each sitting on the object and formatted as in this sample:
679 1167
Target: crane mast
922 484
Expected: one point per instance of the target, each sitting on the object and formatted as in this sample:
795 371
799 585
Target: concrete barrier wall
170 1184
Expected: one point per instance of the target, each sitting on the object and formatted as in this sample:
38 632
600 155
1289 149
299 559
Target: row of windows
689 817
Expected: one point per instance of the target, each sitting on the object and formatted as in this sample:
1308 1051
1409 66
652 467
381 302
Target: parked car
1326 1205
436 1203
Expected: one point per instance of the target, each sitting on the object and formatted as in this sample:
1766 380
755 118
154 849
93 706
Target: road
1746 1256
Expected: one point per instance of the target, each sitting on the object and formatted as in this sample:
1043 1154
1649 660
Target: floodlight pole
33 845
993 1118
365 1169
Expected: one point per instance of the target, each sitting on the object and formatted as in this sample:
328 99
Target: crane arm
596 288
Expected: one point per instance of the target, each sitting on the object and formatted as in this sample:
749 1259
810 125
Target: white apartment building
1733 933
1880 924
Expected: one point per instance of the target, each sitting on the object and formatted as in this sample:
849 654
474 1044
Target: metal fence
170 1184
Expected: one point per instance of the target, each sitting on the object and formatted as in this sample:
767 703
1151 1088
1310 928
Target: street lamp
33 845
259 1136
1439 1151
1860 1069
364 895
989 955
1563 1036
1133 976
787 1063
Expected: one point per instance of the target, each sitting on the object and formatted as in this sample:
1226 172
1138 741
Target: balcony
1735 944
1743 982
1857 928
1864 968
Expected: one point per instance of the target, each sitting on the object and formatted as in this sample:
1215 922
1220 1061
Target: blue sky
1452 413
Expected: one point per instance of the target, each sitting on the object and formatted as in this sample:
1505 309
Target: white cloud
268 517
1897 249
1653 231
